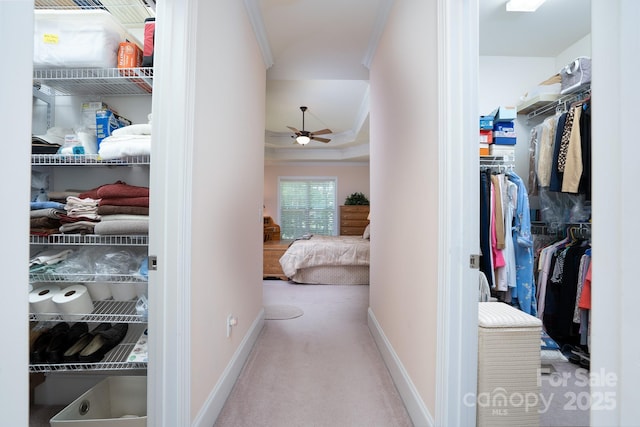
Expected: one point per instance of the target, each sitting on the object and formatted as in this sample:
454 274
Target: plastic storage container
76 39
114 402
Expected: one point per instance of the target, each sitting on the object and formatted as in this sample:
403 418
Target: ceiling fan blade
294 129
315 138
321 132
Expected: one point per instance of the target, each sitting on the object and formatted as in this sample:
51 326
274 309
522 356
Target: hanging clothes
523 295
486 264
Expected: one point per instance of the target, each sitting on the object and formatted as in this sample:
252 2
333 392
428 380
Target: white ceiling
318 49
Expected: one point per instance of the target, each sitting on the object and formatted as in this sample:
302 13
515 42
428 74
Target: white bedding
325 251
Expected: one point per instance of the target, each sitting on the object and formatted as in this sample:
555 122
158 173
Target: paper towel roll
41 301
123 291
99 290
74 302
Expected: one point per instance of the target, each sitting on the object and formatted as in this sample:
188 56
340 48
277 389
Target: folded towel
126 201
119 147
122 227
123 217
121 189
50 256
93 193
48 212
128 210
138 129
46 205
44 222
79 227
77 202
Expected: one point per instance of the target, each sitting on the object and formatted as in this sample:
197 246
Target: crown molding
376 33
253 10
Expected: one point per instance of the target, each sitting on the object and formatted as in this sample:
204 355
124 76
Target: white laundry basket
113 402
508 366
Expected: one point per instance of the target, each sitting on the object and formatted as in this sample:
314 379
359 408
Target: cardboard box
484 149
503 150
106 122
129 55
486 137
486 122
507 126
505 113
497 134
504 140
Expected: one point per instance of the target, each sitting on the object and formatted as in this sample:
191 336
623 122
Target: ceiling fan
303 137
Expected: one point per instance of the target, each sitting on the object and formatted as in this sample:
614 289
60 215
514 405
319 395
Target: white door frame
457 344
169 367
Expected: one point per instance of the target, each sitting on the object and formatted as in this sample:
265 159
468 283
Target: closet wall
504 79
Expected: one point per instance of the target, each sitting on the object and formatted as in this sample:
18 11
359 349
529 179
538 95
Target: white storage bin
76 39
113 402
508 366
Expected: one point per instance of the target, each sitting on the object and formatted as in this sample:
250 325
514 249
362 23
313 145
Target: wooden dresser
353 219
272 250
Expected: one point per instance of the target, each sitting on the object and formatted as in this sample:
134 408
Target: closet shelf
94 81
103 311
116 359
540 101
89 239
130 13
85 278
545 104
85 160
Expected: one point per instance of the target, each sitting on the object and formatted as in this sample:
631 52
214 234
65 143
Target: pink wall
351 178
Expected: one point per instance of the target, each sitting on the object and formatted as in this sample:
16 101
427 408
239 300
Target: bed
328 260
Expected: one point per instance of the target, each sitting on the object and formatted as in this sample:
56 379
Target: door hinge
474 261
153 263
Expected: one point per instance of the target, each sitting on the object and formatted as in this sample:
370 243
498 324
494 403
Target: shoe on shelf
72 353
39 349
61 342
102 342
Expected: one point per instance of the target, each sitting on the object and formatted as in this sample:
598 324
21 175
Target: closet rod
562 102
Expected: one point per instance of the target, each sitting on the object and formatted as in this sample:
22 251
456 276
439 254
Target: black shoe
39 349
72 353
102 342
61 342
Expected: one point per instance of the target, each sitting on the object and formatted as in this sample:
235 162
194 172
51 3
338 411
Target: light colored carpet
281 312
320 369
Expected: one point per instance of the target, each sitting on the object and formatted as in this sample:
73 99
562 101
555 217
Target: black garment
585 141
485 215
555 183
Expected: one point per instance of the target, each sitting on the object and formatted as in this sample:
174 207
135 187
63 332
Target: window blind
307 206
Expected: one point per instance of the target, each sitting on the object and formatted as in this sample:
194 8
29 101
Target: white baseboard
212 407
419 413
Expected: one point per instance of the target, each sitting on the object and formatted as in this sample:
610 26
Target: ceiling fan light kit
303 140
303 137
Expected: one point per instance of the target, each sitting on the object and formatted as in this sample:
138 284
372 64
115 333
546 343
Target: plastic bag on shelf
118 261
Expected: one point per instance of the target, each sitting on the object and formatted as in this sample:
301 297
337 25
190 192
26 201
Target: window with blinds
307 206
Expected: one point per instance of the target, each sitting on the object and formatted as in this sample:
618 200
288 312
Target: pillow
367 233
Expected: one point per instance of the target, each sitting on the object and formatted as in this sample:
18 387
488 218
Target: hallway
320 369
